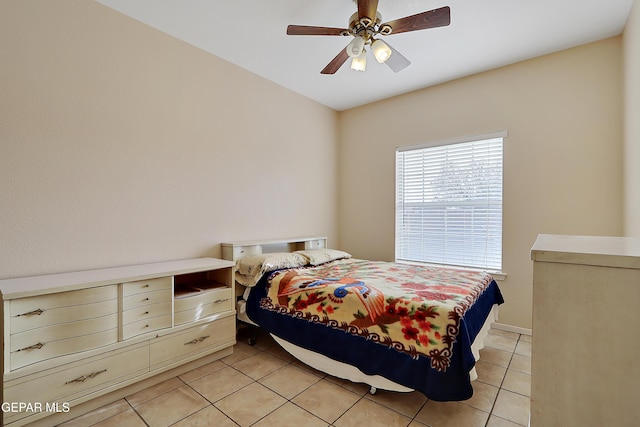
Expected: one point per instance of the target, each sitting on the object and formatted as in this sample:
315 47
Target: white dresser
75 341
585 366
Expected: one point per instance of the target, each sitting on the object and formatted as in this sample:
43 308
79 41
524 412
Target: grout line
348 409
308 412
500 388
139 415
265 350
287 400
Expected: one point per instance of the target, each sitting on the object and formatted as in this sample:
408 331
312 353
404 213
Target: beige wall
121 145
631 39
562 158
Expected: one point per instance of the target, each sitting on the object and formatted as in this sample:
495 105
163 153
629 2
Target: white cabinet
71 338
585 364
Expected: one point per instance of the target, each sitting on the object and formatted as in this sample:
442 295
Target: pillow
250 269
248 281
320 256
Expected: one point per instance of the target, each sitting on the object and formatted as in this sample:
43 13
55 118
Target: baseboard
509 328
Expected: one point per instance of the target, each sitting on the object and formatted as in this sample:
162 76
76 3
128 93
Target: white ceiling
483 34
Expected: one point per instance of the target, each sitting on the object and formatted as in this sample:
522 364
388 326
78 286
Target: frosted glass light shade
381 51
356 47
359 63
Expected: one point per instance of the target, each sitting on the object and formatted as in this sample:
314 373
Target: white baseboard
509 328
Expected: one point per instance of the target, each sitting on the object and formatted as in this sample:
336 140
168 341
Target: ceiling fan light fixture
356 47
359 63
364 26
381 51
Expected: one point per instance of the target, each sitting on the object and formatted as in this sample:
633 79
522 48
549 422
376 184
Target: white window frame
493 262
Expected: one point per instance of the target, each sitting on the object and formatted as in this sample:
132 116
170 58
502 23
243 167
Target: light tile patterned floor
262 385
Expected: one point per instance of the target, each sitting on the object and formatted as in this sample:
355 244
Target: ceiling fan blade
367 9
305 30
396 61
431 19
336 62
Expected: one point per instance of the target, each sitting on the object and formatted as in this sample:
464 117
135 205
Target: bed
392 326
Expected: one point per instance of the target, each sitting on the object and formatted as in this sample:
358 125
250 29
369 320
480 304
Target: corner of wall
631 90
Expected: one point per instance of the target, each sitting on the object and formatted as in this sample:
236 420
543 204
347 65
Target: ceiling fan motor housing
366 27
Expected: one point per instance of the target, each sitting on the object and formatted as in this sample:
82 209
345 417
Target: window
449 202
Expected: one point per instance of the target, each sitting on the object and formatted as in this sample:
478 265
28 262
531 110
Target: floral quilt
412 309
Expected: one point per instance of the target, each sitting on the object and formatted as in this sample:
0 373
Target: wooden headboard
233 251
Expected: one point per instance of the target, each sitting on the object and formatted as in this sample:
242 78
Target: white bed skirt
351 373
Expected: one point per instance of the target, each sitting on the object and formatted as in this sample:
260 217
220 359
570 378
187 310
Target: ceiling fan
365 27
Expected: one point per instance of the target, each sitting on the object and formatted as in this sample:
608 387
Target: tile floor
262 385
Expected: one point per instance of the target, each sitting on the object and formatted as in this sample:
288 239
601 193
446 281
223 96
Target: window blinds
449 203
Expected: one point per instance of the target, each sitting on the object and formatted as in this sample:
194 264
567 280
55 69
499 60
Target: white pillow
250 269
320 256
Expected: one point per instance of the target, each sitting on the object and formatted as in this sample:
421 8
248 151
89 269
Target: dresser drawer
146 298
192 342
146 312
144 286
42 350
63 299
146 325
34 312
73 380
63 331
195 306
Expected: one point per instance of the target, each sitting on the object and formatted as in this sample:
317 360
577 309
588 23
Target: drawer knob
197 340
83 378
145 286
37 312
33 347
221 300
